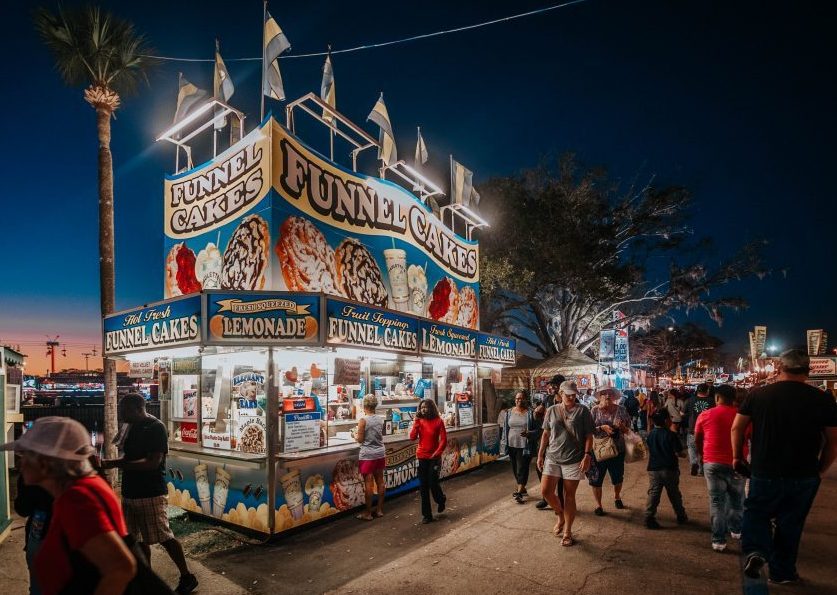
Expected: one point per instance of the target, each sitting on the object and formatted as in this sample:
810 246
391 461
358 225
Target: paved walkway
485 543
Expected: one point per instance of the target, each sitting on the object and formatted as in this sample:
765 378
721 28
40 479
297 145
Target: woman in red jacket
430 431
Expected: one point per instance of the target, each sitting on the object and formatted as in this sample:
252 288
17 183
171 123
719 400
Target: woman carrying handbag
611 421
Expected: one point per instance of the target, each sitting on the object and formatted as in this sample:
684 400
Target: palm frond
94 47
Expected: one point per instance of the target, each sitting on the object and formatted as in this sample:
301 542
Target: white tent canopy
569 362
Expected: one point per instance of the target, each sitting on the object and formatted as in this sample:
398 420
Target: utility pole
86 357
52 345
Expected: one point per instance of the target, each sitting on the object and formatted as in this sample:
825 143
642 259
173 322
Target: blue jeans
788 501
726 496
694 458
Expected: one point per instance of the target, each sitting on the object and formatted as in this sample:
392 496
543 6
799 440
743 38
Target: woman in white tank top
372 458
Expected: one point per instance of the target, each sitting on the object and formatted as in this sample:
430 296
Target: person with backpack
702 400
631 405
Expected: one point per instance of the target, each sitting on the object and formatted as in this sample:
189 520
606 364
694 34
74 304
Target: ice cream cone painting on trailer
272 214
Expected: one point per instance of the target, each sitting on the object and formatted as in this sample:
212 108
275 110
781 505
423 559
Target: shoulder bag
604 448
592 474
86 576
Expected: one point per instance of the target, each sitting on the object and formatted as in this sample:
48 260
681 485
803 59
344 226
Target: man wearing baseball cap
794 442
86 516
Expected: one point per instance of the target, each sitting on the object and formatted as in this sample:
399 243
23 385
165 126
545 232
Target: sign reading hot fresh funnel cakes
358 275
306 259
247 254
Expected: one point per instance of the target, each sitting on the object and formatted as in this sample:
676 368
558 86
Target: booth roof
570 361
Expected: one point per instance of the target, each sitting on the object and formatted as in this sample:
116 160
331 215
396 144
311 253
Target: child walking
664 448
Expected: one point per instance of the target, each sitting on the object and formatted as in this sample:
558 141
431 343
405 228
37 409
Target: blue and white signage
355 325
448 341
169 324
494 349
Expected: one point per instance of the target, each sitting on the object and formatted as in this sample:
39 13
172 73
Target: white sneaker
735 535
719 547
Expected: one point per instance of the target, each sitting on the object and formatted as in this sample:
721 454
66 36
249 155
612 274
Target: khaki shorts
572 472
147 519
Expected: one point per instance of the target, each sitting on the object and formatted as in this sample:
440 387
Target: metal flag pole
418 161
452 197
215 94
264 20
333 121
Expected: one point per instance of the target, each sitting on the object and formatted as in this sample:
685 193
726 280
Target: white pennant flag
421 149
275 44
327 88
222 86
386 140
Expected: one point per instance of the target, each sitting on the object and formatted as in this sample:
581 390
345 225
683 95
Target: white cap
57 437
568 387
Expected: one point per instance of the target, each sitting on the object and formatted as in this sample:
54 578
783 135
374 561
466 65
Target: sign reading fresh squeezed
271 214
175 322
499 350
447 341
358 326
262 318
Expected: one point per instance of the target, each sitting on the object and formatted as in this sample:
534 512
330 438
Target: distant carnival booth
294 287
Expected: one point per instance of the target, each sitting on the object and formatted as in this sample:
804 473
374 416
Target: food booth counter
261 393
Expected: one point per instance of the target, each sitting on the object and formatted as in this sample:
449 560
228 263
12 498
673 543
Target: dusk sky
734 100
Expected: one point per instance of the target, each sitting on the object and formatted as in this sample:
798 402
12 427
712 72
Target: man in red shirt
726 487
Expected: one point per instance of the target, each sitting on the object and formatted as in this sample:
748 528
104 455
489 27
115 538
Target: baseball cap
57 437
568 387
794 359
557 379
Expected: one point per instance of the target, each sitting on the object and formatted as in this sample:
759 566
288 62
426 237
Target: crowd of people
761 453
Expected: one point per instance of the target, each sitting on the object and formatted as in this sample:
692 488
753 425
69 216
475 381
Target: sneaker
651 523
682 520
523 492
427 519
719 547
618 504
694 469
519 499
515 494
753 565
599 511
542 505
735 535
441 507
187 584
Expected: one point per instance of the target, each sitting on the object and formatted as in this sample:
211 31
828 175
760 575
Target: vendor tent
569 362
519 377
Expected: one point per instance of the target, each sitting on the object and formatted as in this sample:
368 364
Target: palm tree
92 48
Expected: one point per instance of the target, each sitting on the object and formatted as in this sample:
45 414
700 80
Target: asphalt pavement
486 543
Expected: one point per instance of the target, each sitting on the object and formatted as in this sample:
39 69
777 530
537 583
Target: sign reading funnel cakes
247 254
358 275
306 259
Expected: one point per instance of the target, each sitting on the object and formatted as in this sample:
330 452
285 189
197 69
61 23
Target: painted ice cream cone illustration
417 282
292 488
208 265
222 488
396 260
202 482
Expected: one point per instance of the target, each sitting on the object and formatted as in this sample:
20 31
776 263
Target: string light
372 46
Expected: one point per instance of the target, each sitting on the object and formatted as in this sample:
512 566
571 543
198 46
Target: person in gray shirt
565 447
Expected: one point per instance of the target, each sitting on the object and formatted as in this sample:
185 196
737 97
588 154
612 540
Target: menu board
356 325
302 431
447 341
492 348
346 371
466 414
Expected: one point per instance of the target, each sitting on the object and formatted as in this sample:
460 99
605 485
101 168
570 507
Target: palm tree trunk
107 288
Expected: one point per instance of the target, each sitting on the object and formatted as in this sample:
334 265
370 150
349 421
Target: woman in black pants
519 431
429 429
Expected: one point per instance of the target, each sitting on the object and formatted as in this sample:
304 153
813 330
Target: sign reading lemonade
262 317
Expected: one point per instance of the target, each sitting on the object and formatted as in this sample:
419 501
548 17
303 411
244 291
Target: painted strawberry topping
440 302
187 282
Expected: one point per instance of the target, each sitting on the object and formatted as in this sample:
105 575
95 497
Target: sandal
362 517
558 530
568 541
377 514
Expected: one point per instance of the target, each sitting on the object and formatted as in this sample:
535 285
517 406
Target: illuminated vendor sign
355 325
499 350
447 341
169 324
262 317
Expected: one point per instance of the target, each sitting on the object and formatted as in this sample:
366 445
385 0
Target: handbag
604 448
86 576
